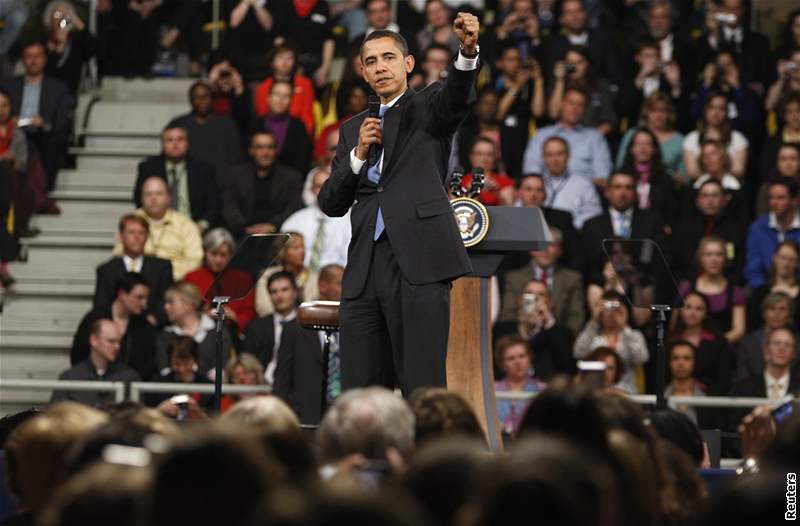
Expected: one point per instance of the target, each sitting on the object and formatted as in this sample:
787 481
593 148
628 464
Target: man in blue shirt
589 154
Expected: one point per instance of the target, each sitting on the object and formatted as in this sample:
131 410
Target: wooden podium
470 369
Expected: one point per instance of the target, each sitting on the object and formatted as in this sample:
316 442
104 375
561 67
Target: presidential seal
472 219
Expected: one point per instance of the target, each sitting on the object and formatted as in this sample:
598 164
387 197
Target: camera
225 73
725 18
64 21
529 303
791 66
570 69
182 401
611 305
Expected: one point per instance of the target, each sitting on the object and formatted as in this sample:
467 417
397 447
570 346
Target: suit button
380 189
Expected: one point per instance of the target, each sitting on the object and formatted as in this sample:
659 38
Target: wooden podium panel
470 369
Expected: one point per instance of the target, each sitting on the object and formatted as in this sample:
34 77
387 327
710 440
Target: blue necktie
374 175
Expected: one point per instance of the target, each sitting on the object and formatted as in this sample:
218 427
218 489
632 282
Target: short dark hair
278 82
436 46
282 274
562 140
681 343
129 280
711 181
535 175
199 84
788 182
182 347
174 126
133 218
576 89
399 40
326 272
601 353
617 173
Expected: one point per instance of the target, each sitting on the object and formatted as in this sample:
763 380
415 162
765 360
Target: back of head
367 421
677 428
438 412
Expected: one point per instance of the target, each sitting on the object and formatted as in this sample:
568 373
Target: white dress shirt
777 388
133 264
617 219
337 234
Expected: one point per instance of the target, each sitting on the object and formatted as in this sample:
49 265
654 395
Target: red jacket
234 280
302 105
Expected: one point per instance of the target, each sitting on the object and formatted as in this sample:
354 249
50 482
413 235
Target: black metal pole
661 356
326 353
219 309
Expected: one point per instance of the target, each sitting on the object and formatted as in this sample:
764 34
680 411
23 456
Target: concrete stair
55 285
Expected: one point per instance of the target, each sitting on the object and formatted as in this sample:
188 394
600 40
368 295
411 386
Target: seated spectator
547 337
531 193
499 187
682 383
186 318
655 189
520 92
566 190
566 286
514 364
262 193
43 106
230 95
249 37
658 115
438 28
293 144
783 277
70 45
173 236
435 61
182 356
264 334
623 220
325 238
100 365
712 358
787 164
609 328
776 381
218 246
13 162
482 121
379 16
781 223
788 115
351 83
299 373
614 371
439 413
308 28
588 150
137 336
778 311
133 232
192 184
244 369
283 66
574 69
213 138
714 163
726 301
788 82
291 260
654 76
714 124
711 215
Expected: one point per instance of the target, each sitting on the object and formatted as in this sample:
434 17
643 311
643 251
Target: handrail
692 401
137 388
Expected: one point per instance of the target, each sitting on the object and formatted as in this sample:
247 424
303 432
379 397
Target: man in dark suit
133 232
622 220
261 194
44 106
191 183
300 372
264 335
776 380
405 249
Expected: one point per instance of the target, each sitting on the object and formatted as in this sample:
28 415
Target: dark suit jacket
259 338
645 225
157 271
299 374
601 51
55 103
297 148
687 231
419 220
238 196
755 386
204 198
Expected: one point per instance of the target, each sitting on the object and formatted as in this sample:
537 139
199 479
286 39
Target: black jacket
157 271
299 374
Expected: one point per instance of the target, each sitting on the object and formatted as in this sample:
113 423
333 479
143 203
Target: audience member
292 261
434 63
231 96
514 364
70 45
192 185
438 28
128 312
301 377
308 28
588 151
787 110
133 232
658 115
655 188
609 328
136 27
520 28
712 358
243 369
293 144
614 371
499 187
283 66
786 164
13 163
566 286
264 334
15 14
213 138
441 414
726 301
182 356
261 194
776 381
183 304
326 238
781 223
714 163
100 365
782 277
172 235
218 246
249 37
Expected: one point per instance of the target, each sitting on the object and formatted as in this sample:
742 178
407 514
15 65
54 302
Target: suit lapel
391 129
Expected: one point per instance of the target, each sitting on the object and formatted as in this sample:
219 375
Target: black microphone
455 181
374 111
478 182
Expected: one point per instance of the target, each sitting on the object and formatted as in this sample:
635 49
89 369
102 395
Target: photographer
575 70
230 95
69 44
788 81
520 28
